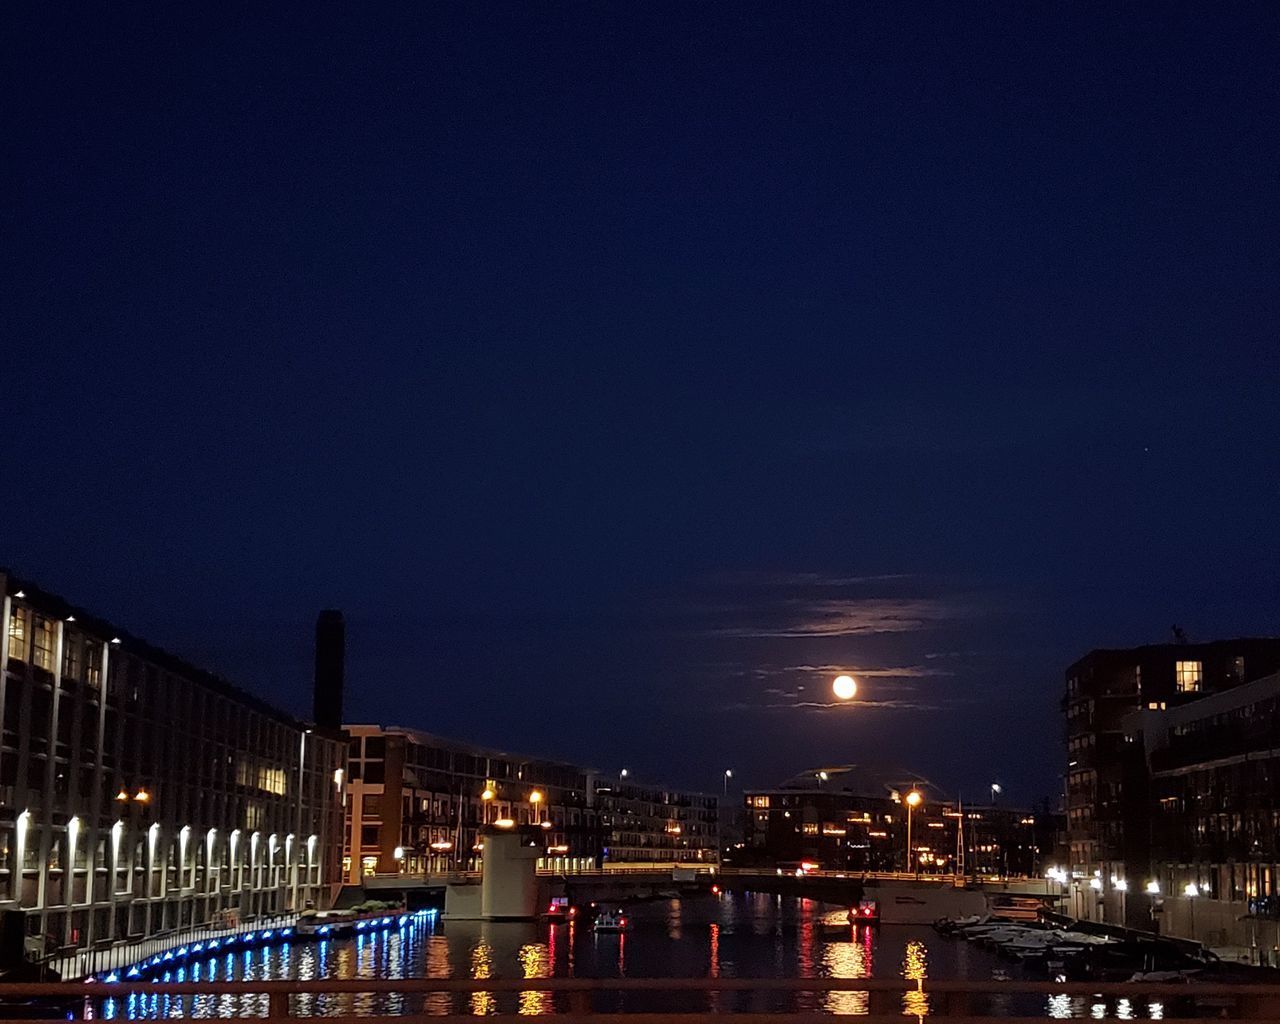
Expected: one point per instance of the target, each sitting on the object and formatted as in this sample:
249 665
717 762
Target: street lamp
912 800
535 798
996 790
1122 887
728 774
487 796
623 774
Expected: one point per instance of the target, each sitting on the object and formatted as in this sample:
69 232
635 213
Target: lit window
1189 675
759 801
93 663
811 828
42 650
271 780
18 634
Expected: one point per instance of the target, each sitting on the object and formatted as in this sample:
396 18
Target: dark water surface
745 936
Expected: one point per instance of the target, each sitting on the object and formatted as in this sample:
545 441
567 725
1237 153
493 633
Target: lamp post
487 798
1191 892
302 764
996 790
535 798
728 774
912 800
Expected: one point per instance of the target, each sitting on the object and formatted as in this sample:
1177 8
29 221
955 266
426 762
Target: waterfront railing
887 999
95 960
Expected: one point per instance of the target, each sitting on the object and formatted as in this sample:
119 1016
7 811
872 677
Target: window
18 634
1188 676
42 654
70 658
271 780
93 663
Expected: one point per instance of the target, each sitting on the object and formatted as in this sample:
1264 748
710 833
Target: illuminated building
139 793
1208 774
416 803
1108 814
852 817
650 824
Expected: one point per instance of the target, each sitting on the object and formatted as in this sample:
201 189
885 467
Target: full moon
845 687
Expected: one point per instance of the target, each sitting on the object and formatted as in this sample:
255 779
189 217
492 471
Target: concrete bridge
901 898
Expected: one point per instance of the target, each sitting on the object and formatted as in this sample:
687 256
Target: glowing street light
487 796
913 800
535 798
1191 891
844 687
728 774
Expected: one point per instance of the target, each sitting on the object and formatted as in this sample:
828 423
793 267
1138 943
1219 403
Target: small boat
327 923
1163 977
610 921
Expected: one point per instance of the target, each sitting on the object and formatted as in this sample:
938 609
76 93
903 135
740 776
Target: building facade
1107 790
645 824
140 794
853 818
1209 772
416 803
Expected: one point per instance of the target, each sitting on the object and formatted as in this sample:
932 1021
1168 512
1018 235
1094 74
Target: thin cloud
888 672
815 705
763 578
845 617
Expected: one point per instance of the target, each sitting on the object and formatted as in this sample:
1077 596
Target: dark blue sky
622 370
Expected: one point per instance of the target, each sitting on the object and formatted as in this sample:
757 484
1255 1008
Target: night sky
626 371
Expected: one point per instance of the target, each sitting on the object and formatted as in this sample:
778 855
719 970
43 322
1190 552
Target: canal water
745 936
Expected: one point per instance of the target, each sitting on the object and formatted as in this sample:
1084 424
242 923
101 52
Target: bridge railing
77 963
886 999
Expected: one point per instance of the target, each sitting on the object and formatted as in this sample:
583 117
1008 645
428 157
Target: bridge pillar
509 874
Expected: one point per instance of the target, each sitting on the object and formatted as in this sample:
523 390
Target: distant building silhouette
331 653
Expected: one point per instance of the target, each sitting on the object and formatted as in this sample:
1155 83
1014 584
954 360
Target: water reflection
536 960
848 960
481 968
754 935
915 967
